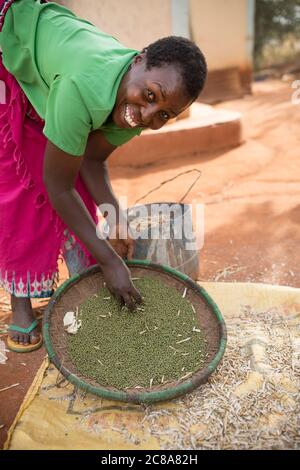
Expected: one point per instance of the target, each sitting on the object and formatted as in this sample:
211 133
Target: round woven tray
77 289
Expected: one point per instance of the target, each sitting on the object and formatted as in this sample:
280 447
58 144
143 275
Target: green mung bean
126 349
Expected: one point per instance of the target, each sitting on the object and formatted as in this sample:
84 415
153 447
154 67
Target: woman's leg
76 257
23 316
30 231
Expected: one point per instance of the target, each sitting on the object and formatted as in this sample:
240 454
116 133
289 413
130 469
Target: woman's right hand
118 282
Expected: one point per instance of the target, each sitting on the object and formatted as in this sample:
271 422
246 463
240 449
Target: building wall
224 30
135 23
220 28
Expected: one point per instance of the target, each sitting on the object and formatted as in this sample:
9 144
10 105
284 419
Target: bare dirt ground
251 193
252 212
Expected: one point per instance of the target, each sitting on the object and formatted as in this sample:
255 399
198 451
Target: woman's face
149 98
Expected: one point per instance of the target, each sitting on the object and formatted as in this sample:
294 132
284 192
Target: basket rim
171 391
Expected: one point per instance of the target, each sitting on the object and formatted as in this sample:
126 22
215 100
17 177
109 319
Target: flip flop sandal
18 347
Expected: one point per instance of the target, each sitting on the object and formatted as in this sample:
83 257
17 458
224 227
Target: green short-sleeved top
69 70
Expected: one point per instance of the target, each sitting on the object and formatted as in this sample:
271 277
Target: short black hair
183 53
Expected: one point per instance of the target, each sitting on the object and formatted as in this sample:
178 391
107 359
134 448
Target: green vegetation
277 25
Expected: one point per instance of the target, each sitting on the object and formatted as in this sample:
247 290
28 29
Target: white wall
136 23
220 28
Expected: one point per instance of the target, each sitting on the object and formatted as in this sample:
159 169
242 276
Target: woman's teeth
128 118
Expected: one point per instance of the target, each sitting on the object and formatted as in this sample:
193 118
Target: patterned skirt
32 236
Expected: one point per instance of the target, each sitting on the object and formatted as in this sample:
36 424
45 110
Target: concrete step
206 130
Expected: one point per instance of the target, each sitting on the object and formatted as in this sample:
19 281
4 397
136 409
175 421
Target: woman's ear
141 57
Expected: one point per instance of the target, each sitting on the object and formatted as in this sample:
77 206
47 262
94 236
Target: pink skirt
32 235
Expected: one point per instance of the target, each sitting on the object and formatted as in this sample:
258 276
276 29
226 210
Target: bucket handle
172 179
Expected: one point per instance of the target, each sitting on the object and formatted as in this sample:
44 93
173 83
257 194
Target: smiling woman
73 94
146 98
163 80
149 98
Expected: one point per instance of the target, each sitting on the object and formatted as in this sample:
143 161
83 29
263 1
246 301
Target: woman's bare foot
22 316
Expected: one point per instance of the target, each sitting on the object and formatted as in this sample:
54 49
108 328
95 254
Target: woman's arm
60 172
95 175
94 170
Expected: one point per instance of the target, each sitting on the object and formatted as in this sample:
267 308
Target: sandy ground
252 212
251 193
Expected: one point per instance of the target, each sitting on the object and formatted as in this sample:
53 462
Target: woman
72 95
